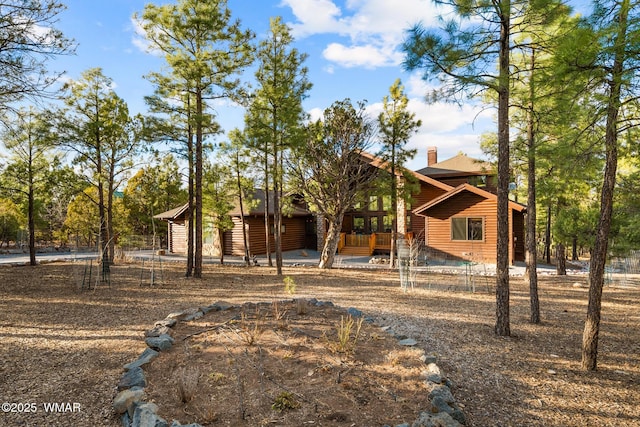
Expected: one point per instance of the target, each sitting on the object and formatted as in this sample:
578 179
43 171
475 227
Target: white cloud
449 127
368 56
374 27
139 38
315 114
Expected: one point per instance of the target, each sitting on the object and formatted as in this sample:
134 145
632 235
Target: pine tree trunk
31 221
599 254
547 237
197 255
531 255
277 208
561 260
190 185
502 327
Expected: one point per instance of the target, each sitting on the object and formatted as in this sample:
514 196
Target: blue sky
352 47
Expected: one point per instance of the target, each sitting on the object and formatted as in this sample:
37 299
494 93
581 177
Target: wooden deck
364 244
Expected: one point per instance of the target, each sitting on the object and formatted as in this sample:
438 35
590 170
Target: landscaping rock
134 377
161 343
157 331
222 306
441 419
429 358
147 356
432 373
146 415
195 316
354 312
441 392
177 424
180 315
409 342
126 398
166 322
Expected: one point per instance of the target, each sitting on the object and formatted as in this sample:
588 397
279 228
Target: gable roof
459 165
459 189
379 163
259 195
173 213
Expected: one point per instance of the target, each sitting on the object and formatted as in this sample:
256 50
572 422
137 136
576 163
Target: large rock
161 343
166 322
147 356
432 373
146 415
134 377
441 419
181 315
156 331
126 398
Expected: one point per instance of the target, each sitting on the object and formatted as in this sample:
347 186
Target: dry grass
63 345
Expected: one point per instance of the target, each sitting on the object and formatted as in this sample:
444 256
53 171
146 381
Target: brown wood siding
177 238
293 237
427 193
464 205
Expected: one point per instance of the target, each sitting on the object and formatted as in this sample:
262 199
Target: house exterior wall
293 237
178 238
426 194
465 204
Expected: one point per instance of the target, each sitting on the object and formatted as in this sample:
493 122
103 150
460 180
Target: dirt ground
267 365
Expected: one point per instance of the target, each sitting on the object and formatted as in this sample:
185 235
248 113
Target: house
454 214
298 229
463 221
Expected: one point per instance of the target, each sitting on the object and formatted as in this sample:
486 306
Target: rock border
134 411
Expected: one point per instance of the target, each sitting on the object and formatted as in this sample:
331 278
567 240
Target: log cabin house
453 212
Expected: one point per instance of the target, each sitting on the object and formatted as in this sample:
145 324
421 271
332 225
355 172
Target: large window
373 224
358 224
464 228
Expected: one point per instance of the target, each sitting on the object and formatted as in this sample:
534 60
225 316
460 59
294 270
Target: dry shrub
187 383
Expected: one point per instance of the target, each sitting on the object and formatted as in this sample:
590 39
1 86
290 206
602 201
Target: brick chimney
432 155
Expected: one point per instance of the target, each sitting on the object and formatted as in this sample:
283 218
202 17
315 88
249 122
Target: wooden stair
355 251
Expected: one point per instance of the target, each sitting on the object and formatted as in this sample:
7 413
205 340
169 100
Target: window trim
467 228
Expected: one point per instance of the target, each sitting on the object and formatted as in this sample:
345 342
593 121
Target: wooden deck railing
342 242
361 240
372 241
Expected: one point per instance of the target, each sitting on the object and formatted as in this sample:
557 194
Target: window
386 203
373 203
373 224
463 228
358 224
272 228
387 223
